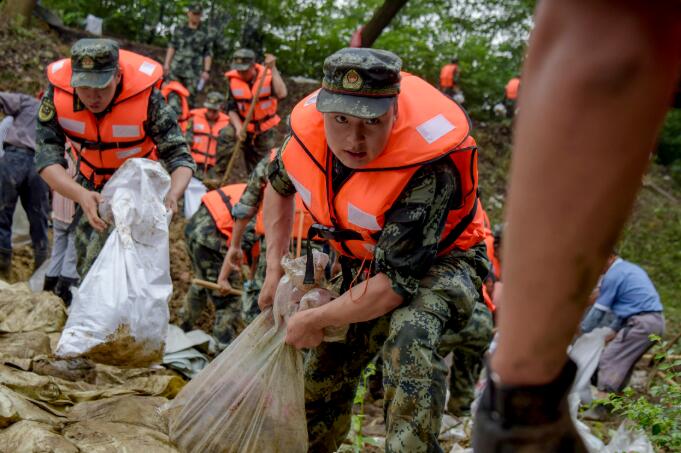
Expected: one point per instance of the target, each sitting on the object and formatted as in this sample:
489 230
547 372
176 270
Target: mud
123 349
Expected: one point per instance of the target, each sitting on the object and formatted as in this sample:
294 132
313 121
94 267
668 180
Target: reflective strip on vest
128 152
435 128
362 219
72 125
125 131
147 68
304 192
238 92
57 66
198 126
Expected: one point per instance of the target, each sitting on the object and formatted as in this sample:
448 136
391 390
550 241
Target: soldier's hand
171 202
231 263
270 60
269 288
302 330
89 202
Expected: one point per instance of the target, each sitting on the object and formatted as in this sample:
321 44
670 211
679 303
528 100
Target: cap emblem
352 80
87 62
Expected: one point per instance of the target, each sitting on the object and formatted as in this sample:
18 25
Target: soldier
177 97
243 79
109 110
208 235
371 155
190 53
19 180
449 78
203 135
244 212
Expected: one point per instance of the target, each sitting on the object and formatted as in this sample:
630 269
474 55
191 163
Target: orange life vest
447 75
176 87
205 142
491 250
512 88
429 127
489 243
265 114
219 204
101 145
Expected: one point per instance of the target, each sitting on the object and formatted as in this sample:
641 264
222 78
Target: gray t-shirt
24 109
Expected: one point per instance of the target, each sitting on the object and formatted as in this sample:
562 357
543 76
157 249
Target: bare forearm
238 232
280 90
577 158
235 120
58 179
170 53
278 217
207 62
369 300
179 179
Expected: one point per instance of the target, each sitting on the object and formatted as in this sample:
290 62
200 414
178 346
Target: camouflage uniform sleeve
175 39
277 175
166 133
407 246
248 204
175 103
50 138
189 135
208 43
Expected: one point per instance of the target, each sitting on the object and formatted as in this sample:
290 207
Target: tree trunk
381 18
19 10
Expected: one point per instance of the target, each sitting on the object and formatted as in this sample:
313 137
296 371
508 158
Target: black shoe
50 284
63 289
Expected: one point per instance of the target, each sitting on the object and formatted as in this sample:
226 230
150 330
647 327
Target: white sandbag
192 197
119 314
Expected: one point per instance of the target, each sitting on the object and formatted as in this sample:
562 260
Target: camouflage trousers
207 248
255 147
414 371
468 348
88 243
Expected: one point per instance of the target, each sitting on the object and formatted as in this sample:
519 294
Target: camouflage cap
195 8
243 59
94 62
360 82
214 100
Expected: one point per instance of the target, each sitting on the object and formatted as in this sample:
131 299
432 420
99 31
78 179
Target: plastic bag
192 197
119 314
251 398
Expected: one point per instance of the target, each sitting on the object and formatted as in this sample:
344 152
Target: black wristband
528 405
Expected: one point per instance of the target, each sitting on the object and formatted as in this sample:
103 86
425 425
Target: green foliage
658 412
357 419
669 146
489 36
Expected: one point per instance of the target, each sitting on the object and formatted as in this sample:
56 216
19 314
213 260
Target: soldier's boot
63 289
5 263
50 284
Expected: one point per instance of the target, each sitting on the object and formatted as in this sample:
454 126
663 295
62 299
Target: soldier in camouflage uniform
244 213
190 53
259 136
417 286
207 246
213 114
97 81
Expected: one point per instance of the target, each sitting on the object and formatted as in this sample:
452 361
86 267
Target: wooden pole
244 127
215 287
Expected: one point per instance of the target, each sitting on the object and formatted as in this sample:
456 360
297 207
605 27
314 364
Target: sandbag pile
75 405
